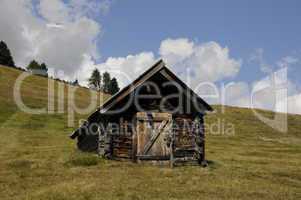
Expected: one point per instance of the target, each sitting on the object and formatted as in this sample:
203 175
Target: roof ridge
160 61
159 65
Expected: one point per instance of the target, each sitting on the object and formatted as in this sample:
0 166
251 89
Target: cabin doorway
153 131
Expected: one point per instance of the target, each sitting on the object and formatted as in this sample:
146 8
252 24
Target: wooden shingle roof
159 66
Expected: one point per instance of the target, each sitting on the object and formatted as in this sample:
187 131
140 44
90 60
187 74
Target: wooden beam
131 87
151 157
171 147
154 137
171 77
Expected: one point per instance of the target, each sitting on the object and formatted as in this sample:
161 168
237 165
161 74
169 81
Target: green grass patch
83 159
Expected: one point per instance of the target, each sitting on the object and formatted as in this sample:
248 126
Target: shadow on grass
212 165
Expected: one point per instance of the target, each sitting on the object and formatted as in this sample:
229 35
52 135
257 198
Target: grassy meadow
39 161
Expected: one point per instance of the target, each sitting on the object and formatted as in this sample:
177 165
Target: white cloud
237 94
287 61
55 25
204 62
105 6
273 92
176 50
55 32
293 104
257 56
65 49
207 62
280 99
54 11
15 30
125 69
92 9
64 36
264 94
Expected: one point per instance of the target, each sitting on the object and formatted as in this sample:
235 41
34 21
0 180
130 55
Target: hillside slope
39 161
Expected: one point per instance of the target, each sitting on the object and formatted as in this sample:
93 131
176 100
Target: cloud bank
55 32
194 62
64 34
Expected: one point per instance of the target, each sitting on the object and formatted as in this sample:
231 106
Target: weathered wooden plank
152 157
134 147
153 116
127 152
154 136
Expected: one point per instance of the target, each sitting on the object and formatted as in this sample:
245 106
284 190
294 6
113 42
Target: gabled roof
159 66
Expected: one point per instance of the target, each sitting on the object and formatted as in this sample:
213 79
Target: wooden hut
155 118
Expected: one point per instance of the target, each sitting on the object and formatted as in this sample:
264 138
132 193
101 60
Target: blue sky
234 42
243 26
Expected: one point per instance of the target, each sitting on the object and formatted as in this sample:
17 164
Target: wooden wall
188 142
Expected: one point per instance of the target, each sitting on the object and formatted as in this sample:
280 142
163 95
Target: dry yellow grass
39 161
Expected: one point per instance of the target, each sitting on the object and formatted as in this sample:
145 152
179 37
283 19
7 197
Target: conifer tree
44 69
33 65
95 79
35 68
106 82
114 88
5 55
